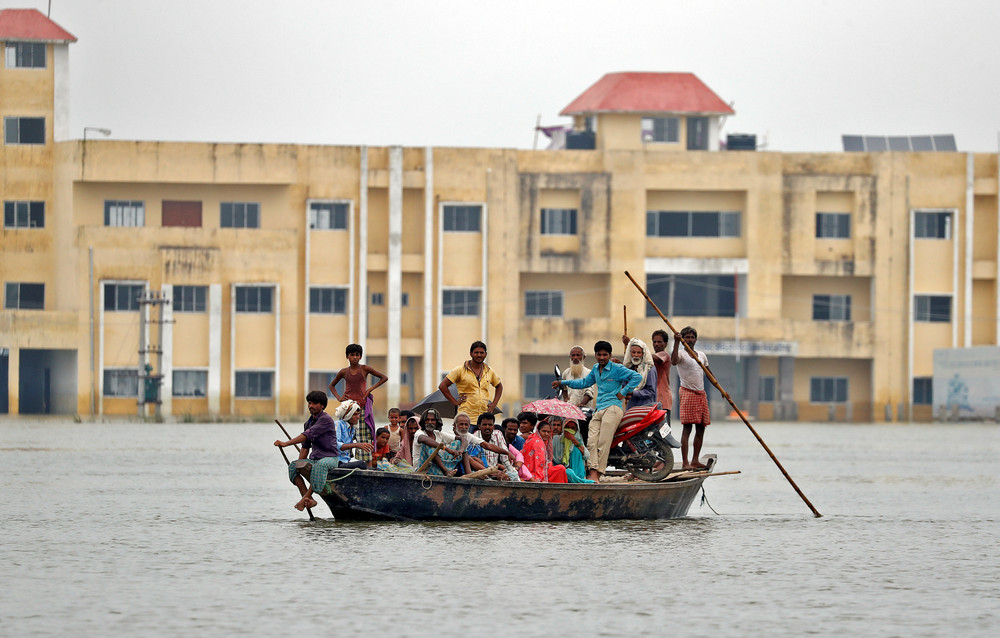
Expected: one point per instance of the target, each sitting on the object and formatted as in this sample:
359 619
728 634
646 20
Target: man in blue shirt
613 381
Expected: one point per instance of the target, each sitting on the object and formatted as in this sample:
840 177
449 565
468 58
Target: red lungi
694 407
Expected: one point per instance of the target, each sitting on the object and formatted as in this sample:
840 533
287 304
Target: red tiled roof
31 24
648 93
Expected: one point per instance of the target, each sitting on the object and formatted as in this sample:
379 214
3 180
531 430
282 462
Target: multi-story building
820 283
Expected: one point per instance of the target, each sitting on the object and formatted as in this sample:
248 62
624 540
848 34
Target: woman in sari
574 453
403 461
538 457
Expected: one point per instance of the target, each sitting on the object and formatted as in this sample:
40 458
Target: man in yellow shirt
473 380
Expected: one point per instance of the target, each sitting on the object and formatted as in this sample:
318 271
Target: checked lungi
694 407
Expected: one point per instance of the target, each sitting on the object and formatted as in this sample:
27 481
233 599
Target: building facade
232 276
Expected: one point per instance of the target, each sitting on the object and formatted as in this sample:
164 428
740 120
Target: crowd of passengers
527 448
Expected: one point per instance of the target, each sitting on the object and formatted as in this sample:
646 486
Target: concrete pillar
214 389
751 384
789 410
14 381
394 276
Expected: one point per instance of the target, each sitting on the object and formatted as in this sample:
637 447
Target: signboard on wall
968 378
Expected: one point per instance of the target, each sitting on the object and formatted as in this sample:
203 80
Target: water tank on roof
581 140
741 142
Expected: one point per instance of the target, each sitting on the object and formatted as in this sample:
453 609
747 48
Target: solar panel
875 143
945 143
899 143
922 143
853 143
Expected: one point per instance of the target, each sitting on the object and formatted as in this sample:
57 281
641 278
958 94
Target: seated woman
573 454
538 457
403 460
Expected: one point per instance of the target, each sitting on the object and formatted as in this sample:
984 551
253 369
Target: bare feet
695 465
311 503
303 503
594 475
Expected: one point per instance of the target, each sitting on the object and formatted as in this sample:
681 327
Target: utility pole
149 383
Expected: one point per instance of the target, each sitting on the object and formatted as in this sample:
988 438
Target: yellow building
820 283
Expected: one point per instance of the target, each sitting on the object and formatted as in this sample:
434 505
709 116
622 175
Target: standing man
473 380
694 401
613 382
583 398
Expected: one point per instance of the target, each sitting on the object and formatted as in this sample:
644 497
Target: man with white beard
638 358
582 398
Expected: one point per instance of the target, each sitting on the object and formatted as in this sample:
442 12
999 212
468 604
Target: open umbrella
554 407
437 401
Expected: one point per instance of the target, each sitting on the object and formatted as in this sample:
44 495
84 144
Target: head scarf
647 359
346 410
406 442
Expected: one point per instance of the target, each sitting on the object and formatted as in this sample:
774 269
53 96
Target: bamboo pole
426 464
711 377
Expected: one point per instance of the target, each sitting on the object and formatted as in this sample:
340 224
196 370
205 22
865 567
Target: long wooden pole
287 462
426 464
711 377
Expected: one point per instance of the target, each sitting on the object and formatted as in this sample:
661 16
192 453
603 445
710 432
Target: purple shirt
321 436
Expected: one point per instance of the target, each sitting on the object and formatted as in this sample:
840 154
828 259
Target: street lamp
103 131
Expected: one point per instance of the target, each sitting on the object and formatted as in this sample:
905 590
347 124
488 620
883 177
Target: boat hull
371 494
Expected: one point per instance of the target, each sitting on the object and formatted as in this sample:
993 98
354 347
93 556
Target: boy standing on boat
613 382
473 380
694 401
355 377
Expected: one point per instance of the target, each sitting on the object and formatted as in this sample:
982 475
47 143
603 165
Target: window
18 296
934 308
767 385
543 303
24 130
828 390
121 382
254 385
321 381
404 299
240 215
462 218
558 221
692 295
923 391
328 301
190 298
460 302
25 55
254 298
190 383
537 385
328 215
831 307
186 214
932 225
669 223
122 297
661 129
697 130
24 214
124 213
833 225
378 299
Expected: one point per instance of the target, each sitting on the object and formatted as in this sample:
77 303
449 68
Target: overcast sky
471 73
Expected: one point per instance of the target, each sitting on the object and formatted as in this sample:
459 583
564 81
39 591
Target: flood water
163 530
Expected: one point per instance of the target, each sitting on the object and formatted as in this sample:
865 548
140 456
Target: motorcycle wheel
661 450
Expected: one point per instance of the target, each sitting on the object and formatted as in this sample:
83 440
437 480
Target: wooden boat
375 495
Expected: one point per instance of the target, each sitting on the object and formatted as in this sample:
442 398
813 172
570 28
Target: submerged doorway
47 380
4 381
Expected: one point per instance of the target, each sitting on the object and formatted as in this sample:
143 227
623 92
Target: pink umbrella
554 407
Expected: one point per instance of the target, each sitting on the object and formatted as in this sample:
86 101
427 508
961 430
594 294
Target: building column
394 276
167 354
214 349
751 385
14 380
785 407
